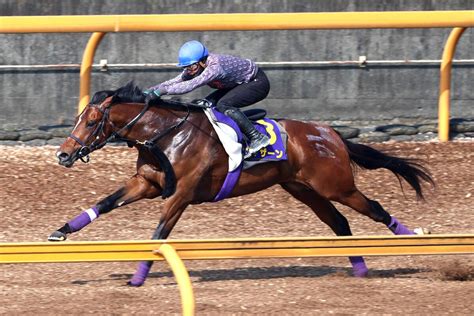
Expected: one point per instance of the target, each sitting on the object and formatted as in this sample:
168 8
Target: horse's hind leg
359 202
328 213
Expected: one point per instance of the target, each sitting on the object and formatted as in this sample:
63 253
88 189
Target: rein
150 142
154 139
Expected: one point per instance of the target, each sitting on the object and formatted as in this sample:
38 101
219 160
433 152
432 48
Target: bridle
85 150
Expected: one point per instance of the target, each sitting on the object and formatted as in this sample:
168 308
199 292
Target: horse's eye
91 123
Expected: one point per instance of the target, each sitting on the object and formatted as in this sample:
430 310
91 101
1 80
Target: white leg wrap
91 213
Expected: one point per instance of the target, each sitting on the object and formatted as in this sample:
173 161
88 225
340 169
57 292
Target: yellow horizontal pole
237 248
236 21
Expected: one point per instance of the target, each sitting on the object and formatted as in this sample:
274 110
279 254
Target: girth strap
170 177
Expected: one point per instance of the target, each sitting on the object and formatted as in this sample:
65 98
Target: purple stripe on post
358 267
83 219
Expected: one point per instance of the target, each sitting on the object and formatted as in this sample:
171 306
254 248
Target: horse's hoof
57 236
133 284
422 231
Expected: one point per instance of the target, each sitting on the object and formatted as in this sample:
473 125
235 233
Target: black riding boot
257 139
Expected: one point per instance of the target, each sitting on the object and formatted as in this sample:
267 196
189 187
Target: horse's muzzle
65 159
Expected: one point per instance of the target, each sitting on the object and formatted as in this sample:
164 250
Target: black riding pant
242 95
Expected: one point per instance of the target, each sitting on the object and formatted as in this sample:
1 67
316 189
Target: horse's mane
130 93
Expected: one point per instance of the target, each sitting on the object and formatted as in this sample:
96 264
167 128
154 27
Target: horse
181 159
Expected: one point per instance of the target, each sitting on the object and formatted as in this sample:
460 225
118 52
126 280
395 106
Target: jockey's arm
177 79
209 74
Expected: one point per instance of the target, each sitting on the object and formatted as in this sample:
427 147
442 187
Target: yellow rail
236 21
173 250
237 248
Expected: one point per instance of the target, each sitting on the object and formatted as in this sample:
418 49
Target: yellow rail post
86 69
182 278
445 83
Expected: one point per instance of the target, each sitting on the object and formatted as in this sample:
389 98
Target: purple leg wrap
358 266
83 219
398 228
141 274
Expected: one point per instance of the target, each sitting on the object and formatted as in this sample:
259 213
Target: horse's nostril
63 156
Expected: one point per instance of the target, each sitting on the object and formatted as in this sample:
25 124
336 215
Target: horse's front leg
170 215
135 189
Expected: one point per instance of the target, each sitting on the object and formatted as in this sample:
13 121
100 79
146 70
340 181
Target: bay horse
181 159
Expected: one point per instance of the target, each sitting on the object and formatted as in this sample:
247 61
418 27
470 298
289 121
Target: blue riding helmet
190 53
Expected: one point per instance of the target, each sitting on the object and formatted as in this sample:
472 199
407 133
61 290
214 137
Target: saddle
234 143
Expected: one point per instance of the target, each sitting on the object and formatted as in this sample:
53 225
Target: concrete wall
323 93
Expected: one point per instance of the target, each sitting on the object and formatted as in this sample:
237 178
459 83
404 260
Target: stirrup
261 142
248 154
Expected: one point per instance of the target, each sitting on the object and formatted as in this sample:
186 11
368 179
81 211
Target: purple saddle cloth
276 151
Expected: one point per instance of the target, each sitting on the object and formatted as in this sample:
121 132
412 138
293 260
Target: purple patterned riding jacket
221 72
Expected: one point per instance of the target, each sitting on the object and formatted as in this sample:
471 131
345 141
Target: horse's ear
107 102
100 96
130 85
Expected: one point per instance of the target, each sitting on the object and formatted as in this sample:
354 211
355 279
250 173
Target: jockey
239 82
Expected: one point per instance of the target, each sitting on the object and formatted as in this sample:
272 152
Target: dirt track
38 196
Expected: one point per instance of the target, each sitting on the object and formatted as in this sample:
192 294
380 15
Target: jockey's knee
224 107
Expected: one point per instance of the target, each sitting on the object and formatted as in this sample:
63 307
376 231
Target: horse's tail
409 169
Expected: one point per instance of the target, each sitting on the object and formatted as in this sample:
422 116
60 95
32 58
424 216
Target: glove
202 103
151 95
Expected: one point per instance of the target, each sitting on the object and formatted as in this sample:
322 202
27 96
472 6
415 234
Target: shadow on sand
261 273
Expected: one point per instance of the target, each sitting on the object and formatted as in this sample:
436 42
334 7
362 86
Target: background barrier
249 21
